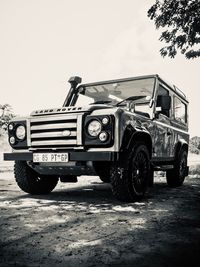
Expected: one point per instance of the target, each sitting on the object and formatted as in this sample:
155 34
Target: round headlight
21 132
94 128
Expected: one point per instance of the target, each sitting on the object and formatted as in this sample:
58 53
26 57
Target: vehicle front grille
56 131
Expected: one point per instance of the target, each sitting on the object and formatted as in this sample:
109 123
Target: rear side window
180 110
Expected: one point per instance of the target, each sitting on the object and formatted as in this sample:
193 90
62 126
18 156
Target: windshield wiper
101 102
130 98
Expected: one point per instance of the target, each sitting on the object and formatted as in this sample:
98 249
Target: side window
162 91
180 112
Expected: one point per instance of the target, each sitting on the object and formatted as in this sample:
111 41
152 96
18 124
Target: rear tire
176 176
31 182
130 179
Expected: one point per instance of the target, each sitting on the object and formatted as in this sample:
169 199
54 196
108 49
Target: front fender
133 135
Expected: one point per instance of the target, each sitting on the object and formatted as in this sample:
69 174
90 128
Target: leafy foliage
6 114
194 146
181 21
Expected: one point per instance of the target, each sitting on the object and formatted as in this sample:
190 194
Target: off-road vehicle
121 130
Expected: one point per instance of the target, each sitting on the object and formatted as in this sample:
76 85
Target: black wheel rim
139 173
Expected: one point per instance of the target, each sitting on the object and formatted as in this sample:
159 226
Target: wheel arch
132 135
181 145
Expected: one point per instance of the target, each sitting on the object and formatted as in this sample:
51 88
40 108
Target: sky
45 42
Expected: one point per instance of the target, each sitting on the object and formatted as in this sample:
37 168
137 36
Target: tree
182 20
6 114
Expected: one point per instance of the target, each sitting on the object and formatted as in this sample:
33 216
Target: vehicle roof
172 87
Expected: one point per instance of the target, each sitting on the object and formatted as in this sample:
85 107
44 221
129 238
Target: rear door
179 122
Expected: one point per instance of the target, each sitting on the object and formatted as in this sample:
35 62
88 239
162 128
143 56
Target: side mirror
164 102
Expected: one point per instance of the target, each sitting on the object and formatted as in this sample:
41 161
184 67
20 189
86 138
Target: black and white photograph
99 133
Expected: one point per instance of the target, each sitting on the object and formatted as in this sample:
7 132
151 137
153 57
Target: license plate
50 157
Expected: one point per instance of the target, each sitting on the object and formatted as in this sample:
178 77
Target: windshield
115 93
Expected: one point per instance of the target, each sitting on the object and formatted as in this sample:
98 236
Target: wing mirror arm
151 103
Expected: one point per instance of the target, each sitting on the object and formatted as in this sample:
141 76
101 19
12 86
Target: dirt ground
82 224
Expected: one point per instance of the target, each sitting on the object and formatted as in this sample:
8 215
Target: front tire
176 176
31 182
130 179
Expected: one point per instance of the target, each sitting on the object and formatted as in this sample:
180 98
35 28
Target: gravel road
82 224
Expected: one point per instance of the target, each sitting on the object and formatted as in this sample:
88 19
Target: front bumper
73 156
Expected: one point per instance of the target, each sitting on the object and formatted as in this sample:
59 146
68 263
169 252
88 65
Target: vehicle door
163 137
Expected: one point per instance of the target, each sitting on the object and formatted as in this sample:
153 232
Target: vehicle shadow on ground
98 193
88 224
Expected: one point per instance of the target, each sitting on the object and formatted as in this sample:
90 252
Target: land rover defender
121 130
